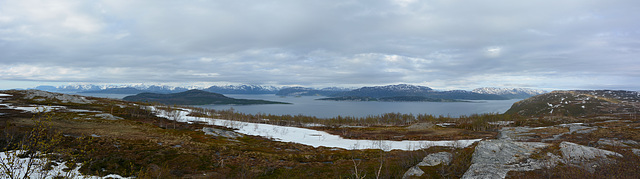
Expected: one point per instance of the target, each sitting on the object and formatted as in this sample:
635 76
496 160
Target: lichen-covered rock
413 172
495 158
611 142
430 160
504 151
636 151
436 159
576 153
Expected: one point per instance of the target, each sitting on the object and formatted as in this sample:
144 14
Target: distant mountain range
114 89
512 93
405 92
401 90
391 99
243 89
386 91
302 91
194 97
135 89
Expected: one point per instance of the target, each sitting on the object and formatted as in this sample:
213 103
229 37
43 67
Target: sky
443 44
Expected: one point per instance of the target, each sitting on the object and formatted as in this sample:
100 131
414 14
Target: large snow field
311 137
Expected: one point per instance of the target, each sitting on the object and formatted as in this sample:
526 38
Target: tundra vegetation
133 142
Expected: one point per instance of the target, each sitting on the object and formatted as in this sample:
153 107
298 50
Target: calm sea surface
307 105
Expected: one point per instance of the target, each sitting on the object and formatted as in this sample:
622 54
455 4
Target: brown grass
402 133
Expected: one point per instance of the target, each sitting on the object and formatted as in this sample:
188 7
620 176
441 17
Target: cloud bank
570 44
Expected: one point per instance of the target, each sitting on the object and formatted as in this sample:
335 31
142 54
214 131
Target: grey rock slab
482 171
220 132
611 142
436 159
576 153
504 151
495 158
413 172
107 116
430 160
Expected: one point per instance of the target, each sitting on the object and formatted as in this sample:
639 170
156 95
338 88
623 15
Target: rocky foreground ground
563 134
519 149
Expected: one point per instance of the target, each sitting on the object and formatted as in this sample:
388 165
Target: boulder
413 172
430 160
436 159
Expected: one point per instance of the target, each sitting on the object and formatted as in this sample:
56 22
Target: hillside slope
579 103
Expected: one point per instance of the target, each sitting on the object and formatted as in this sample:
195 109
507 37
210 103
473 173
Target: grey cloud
446 44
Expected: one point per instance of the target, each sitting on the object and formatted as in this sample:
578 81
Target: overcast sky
443 44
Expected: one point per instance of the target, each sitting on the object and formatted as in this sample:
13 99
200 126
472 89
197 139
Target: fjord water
308 106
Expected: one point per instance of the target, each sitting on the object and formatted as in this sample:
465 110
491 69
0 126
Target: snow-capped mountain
405 90
387 91
137 88
513 93
243 89
302 91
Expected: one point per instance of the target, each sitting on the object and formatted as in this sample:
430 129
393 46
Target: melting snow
5 95
313 137
446 124
39 108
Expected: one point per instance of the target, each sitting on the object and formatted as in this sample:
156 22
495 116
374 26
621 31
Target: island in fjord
194 97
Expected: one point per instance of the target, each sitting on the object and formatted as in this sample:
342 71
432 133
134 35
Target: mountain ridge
511 93
416 92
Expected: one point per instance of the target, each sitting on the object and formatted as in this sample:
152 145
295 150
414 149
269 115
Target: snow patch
34 168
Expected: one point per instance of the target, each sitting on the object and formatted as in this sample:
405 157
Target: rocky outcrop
436 159
429 161
413 172
220 132
38 95
617 143
495 158
575 153
107 116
